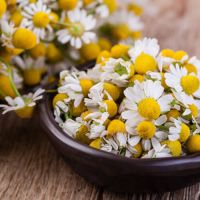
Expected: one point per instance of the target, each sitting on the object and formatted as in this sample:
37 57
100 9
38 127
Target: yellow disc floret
144 63
121 31
90 51
111 107
53 54
119 50
179 55
116 126
185 132
191 68
76 111
174 147
85 114
136 77
149 108
168 53
81 135
5 86
24 39
103 57
112 90
86 85
25 112
16 18
41 19
67 4
111 4
59 97
146 129
173 114
3 7
32 76
136 9
96 143
38 51
193 144
194 110
104 44
190 84
138 149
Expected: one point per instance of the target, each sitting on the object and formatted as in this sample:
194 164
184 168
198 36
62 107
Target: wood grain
31 169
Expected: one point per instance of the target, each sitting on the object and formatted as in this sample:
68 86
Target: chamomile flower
117 71
180 80
23 105
36 17
79 29
146 100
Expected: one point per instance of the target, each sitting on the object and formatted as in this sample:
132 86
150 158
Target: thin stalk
62 24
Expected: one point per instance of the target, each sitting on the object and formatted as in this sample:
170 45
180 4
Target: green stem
51 91
62 24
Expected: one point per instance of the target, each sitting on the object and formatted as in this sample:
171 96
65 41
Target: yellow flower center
116 126
111 107
103 56
32 76
25 112
41 19
104 43
119 50
67 4
136 34
138 10
185 132
168 53
59 97
85 114
77 111
53 53
90 51
144 63
138 148
149 108
146 129
16 18
81 135
112 90
76 29
174 146
194 110
193 144
190 84
24 39
111 4
96 143
3 7
5 87
86 85
179 55
38 51
121 31
173 114
137 77
191 68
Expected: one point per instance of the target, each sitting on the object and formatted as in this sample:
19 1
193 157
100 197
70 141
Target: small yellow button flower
190 84
67 4
14 51
86 85
111 4
54 18
81 135
136 9
116 126
3 7
179 55
145 63
77 111
24 39
193 144
5 86
112 90
85 114
138 148
32 76
136 35
168 53
59 97
104 44
191 68
41 19
25 112
90 51
16 18
185 133
111 107
194 110
96 143
146 129
121 31
149 108
38 51
103 56
174 146
173 114
53 54
119 50
137 77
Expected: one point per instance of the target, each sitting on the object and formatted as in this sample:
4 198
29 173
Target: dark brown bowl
117 173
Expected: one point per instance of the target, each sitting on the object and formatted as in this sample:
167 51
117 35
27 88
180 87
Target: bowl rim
166 164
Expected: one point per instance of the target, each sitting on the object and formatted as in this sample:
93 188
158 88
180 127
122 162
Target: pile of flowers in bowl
38 38
137 101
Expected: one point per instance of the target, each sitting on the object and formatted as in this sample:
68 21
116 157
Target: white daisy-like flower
26 63
79 29
18 103
180 80
124 17
7 31
36 18
147 46
145 100
116 71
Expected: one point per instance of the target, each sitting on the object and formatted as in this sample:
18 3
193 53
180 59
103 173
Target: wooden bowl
117 173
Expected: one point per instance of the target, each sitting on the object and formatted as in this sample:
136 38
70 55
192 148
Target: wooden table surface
31 169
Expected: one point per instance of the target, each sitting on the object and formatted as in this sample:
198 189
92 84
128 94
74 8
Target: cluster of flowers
39 37
137 102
